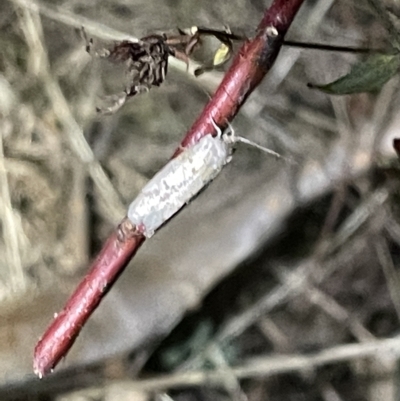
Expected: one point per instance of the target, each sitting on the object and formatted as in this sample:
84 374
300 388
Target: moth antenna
229 136
262 148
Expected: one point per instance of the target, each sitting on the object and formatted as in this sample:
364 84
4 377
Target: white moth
181 179
178 182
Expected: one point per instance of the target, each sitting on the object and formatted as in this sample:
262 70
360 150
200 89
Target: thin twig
10 228
332 308
264 367
64 16
390 272
294 283
332 48
108 195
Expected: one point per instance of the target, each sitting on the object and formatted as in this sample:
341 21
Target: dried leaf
222 55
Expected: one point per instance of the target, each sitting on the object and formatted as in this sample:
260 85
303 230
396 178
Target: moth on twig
183 177
146 60
249 67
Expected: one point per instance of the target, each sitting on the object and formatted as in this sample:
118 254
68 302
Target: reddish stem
253 61
251 64
110 263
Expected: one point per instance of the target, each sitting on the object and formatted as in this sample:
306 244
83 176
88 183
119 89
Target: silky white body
178 182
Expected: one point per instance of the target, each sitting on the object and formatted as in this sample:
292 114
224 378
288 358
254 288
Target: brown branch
250 65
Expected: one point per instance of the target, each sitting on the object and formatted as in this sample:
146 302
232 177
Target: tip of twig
39 368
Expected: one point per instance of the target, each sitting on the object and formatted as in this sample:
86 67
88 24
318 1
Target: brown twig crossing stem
250 65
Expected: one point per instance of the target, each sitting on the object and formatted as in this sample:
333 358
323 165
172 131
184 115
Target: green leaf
367 76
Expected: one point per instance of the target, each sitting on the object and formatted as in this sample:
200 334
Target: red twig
253 61
110 263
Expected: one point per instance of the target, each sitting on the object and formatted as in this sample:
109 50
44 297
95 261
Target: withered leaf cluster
146 60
